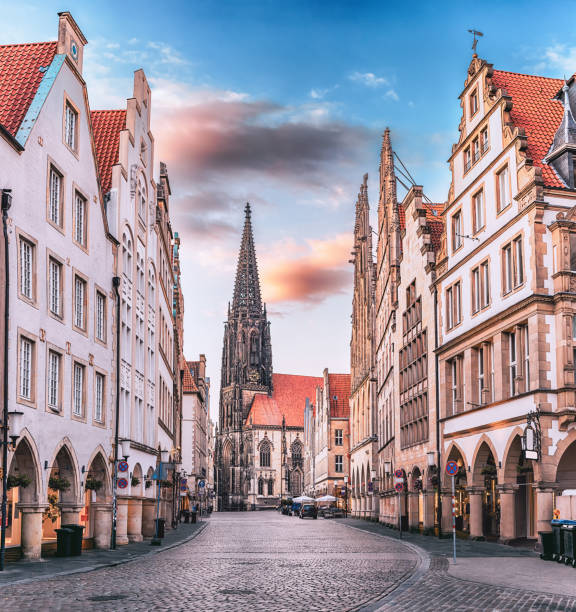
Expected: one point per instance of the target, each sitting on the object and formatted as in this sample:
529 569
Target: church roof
339 395
107 125
22 69
288 400
188 383
537 111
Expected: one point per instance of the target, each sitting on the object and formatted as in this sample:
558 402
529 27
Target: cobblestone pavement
256 561
268 562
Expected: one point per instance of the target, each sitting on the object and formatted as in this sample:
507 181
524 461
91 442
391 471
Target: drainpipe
115 285
437 398
6 203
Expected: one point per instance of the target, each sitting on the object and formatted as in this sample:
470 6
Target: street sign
399 486
122 483
452 468
201 484
397 480
399 474
123 466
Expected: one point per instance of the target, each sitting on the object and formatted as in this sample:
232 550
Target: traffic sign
122 483
201 484
452 468
399 486
123 466
399 474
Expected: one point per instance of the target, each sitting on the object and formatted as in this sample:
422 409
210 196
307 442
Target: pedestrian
194 512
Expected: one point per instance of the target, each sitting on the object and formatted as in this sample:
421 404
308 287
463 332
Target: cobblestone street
268 562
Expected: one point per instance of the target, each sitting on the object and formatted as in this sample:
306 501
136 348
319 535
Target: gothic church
259 445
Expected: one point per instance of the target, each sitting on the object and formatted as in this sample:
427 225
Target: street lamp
387 467
431 457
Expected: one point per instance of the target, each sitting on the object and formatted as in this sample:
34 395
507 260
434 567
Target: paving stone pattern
255 561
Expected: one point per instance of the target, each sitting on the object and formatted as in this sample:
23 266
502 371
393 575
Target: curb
409 579
93 568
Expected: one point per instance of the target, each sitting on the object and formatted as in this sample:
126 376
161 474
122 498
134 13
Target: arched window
260 486
140 273
141 196
295 483
271 487
254 349
127 256
151 288
265 454
296 453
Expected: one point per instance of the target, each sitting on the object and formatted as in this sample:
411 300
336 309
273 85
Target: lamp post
345 496
12 421
164 457
125 451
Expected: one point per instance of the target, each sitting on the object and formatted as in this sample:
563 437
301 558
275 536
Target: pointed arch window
260 486
127 256
270 486
254 349
296 453
265 454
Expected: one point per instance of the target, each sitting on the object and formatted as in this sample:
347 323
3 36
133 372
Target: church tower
246 370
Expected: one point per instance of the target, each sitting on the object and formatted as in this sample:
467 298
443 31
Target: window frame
473 102
505 168
58 407
53 167
338 439
23 335
476 228
480 285
457 242
100 374
76 144
339 468
23 237
512 264
77 276
99 292
80 195
52 257
80 363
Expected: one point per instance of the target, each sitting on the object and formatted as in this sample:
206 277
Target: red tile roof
339 395
435 221
20 77
534 109
107 125
288 400
188 383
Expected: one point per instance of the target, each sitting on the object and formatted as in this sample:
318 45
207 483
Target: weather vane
475 33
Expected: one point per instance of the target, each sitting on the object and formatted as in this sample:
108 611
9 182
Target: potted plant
92 484
147 483
53 511
488 470
15 480
135 481
58 483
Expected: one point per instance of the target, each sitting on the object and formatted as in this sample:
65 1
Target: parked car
296 507
286 510
326 512
308 510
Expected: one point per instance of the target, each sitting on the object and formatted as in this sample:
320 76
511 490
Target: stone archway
485 478
416 500
566 471
97 509
134 502
24 509
149 505
462 493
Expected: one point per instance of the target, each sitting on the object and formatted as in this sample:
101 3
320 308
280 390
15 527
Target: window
502 189
80 303
127 256
270 487
339 463
480 287
78 390
26 263
99 398
467 160
26 356
55 287
54 369
525 354
513 362
55 197
484 140
265 454
71 127
338 438
100 316
141 196
480 357
456 231
512 265
455 385
478 211
80 219
475 150
260 486
454 305
473 102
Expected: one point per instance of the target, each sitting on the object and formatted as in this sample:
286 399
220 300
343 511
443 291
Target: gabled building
61 305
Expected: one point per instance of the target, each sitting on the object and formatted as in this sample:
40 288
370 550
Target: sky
283 104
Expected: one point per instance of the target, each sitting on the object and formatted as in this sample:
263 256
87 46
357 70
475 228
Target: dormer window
473 102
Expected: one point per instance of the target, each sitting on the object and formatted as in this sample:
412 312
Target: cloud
323 271
560 58
369 79
319 93
391 93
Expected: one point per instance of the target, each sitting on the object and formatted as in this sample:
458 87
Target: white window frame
71 126
78 389
339 463
478 211
80 219
55 270
55 180
100 326
54 366
26 256
26 362
339 437
513 361
99 397
503 187
80 302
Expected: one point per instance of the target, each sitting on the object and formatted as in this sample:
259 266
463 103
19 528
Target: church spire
247 287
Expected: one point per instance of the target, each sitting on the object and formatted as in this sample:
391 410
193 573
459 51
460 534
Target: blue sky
283 103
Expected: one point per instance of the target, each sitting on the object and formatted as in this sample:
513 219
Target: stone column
446 524
544 506
31 534
413 510
148 517
428 518
102 528
135 519
507 512
476 531
122 521
70 514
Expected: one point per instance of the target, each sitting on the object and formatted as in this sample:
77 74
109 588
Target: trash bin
64 539
547 540
77 531
160 523
558 554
